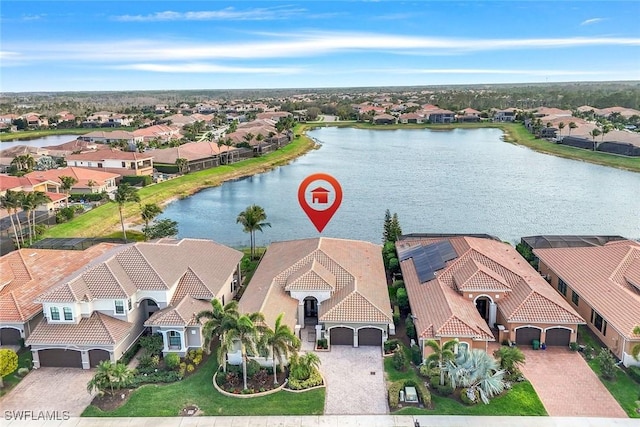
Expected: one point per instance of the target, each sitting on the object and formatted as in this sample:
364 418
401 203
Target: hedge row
315 379
394 392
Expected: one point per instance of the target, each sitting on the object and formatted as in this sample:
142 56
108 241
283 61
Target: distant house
97 312
199 155
476 290
88 180
468 115
115 161
411 118
384 119
31 184
273 115
116 136
441 116
161 133
505 115
603 284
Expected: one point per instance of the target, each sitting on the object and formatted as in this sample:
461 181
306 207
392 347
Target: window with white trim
68 313
174 339
119 307
55 313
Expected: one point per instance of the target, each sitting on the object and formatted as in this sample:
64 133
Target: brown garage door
9 336
369 336
97 356
341 336
60 358
524 336
558 336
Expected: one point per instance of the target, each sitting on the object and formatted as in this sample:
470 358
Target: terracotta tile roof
191 284
182 314
191 151
150 266
27 273
82 175
481 265
600 275
111 154
359 293
98 329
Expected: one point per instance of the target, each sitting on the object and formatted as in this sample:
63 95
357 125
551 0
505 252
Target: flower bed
259 379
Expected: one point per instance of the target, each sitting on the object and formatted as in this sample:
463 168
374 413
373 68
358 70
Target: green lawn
31 134
623 389
11 380
168 400
105 219
520 400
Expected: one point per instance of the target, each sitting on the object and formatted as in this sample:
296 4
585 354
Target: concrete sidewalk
330 421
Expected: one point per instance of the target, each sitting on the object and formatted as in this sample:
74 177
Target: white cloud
206 68
591 21
296 45
229 13
485 71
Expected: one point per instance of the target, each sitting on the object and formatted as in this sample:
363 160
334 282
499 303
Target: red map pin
317 201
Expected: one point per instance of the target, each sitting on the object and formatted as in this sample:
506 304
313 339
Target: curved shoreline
105 219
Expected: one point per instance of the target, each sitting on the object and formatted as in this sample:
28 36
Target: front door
310 307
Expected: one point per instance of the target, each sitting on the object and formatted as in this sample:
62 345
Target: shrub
129 354
426 372
394 394
23 371
232 379
65 214
399 359
634 373
152 344
182 369
573 346
391 345
155 378
416 355
262 377
253 368
398 284
469 396
434 380
396 316
146 361
172 360
403 299
607 364
444 390
190 368
411 329
315 379
8 361
323 343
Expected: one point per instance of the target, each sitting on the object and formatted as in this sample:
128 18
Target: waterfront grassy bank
105 219
33 134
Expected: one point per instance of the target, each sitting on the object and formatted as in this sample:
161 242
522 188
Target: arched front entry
486 308
148 307
9 336
310 311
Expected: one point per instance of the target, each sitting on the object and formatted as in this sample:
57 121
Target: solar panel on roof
428 259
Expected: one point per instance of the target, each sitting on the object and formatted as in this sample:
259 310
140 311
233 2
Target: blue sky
141 45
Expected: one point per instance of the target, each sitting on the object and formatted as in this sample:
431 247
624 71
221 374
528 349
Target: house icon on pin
320 195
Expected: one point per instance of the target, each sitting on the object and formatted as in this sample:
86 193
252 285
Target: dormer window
68 314
55 313
119 307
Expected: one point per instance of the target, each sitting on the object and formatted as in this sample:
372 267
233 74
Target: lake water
39 142
459 181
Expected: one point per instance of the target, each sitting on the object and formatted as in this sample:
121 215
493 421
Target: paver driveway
351 388
51 389
567 386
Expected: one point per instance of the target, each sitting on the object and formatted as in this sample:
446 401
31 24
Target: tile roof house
199 155
603 284
98 311
476 289
114 161
324 286
27 273
31 184
100 181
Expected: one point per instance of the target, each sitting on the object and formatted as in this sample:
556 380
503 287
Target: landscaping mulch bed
252 383
108 402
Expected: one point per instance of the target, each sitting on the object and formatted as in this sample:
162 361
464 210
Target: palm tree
91 183
27 202
605 130
182 164
510 359
478 372
252 219
560 127
35 199
67 184
11 202
109 376
441 354
213 327
148 212
249 137
301 367
121 375
281 342
229 143
594 134
572 125
243 330
124 194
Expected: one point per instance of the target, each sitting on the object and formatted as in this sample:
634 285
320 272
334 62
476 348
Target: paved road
351 386
567 386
